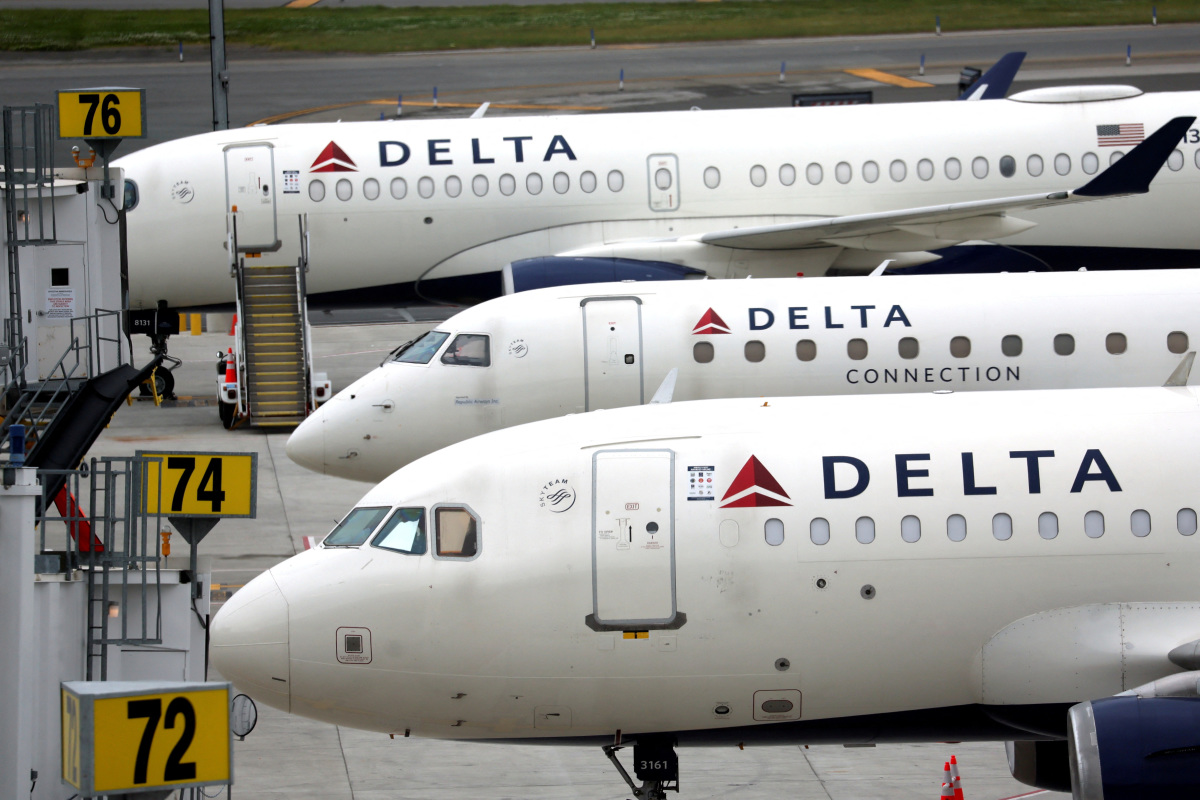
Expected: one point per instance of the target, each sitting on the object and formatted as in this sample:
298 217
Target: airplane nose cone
249 642
306 445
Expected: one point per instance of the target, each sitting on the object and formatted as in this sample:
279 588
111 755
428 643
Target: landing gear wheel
228 412
164 383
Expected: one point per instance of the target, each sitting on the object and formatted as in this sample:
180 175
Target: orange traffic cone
947 784
230 368
955 779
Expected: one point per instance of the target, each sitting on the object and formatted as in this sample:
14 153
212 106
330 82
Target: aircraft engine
539 273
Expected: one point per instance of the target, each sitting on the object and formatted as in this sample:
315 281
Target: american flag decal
1118 135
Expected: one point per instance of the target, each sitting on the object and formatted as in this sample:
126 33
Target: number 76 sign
192 484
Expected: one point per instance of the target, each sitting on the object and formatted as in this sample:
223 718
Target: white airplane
435 208
549 352
943 566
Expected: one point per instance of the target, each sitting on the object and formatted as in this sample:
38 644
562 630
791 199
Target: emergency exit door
664 182
250 195
612 352
633 537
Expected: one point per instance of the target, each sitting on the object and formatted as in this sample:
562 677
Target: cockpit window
469 349
130 199
423 349
356 527
457 532
404 532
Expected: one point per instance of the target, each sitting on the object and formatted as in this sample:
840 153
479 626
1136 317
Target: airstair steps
276 373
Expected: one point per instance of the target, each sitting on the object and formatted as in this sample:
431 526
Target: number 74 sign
191 484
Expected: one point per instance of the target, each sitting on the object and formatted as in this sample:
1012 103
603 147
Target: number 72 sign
191 484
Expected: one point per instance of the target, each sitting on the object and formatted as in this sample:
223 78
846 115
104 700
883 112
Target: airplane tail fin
994 84
1134 171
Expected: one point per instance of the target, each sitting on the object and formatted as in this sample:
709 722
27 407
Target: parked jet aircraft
556 351
943 566
439 206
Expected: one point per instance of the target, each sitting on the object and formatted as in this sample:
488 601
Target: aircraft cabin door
664 182
633 537
612 352
250 191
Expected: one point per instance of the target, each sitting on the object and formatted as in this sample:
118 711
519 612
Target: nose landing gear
654 763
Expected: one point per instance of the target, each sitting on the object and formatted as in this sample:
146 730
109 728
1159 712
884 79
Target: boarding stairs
274 368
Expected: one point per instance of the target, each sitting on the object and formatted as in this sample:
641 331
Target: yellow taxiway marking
887 77
422 103
301 3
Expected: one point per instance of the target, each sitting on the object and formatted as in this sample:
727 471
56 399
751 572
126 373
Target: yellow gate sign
193 484
130 736
106 113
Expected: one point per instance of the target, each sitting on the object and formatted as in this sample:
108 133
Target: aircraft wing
956 222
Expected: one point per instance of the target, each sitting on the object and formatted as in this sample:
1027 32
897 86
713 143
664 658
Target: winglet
479 112
1181 374
883 265
994 84
666 389
1132 173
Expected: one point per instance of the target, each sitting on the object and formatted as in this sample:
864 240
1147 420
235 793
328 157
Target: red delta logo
333 159
711 322
754 487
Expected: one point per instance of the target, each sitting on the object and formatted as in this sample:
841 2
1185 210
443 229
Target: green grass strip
328 28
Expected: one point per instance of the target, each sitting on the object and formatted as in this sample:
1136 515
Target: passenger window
909 347
702 352
960 347
457 532
1008 166
1062 164
1047 525
864 530
1117 154
758 175
479 185
453 186
844 172
469 350
1091 162
953 168
1139 522
1064 344
1093 524
1175 161
344 189
587 182
773 532
925 169
814 174
425 187
354 529
755 351
857 349
712 177
870 172
806 349
1034 165
562 182
533 183
979 167
398 188
421 351
1011 346
1177 342
1197 159
1115 343
910 529
956 527
616 181
508 185
316 191
371 189
1002 527
818 531
787 174
404 532
898 170
1185 521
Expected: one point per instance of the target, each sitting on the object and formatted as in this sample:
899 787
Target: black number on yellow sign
209 490
176 768
110 117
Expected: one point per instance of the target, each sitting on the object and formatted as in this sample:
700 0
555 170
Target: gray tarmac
299 759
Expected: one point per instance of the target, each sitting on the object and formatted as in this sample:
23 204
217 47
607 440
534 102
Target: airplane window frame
1175 163
925 169
712 177
319 186
562 182
587 181
343 184
1064 344
451 356
1089 162
755 351
864 530
907 533
814 174
956 528
843 173
1135 518
1089 527
616 180
1048 525
803 344
453 186
960 346
1179 521
448 555
534 179
769 529
952 168
980 167
909 347
1033 159
1062 164
425 187
1009 339
1007 166
507 184
705 347
1117 155
787 174
1197 158
370 189
870 171
1116 343
818 531
362 534
857 349
758 175
1002 527
898 170
421 539
402 185
480 185
1177 342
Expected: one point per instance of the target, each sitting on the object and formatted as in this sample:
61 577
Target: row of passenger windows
455 529
453 185
1002 527
814 173
960 347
